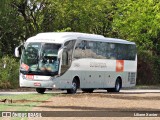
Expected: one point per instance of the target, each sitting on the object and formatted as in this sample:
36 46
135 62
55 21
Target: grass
147 87
24 102
144 87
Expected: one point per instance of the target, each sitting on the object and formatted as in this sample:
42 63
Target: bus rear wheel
41 90
117 86
74 88
87 90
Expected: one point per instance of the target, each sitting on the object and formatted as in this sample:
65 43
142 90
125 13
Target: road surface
79 91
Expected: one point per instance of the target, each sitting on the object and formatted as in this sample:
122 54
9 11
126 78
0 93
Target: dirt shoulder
102 101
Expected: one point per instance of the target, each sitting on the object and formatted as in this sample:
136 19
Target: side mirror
16 52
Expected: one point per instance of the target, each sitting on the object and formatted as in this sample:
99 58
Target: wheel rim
74 86
117 86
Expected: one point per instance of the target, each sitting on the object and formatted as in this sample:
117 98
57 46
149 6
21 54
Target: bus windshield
40 58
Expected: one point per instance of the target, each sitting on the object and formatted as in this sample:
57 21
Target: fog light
54 86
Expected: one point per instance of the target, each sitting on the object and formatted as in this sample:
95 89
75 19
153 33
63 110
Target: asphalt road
79 91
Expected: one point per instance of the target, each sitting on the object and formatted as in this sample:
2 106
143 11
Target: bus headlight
23 76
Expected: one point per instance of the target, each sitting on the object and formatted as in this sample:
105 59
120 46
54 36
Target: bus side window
80 50
132 52
122 51
90 51
101 50
112 52
108 54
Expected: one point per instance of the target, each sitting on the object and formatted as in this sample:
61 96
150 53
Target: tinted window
111 51
101 50
91 49
104 50
126 52
131 52
80 50
122 51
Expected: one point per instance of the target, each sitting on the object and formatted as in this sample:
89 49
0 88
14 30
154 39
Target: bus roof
61 37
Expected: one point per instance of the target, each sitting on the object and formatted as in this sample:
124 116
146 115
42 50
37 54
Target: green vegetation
134 20
9 72
24 102
147 87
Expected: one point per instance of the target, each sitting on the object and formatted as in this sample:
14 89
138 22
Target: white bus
71 60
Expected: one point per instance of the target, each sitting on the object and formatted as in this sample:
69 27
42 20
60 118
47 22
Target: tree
10 28
139 21
20 19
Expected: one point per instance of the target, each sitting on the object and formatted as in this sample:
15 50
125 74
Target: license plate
37 84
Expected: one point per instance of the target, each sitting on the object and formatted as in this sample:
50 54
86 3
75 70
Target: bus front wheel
74 88
41 90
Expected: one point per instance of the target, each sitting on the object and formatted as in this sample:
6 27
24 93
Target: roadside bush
148 69
9 71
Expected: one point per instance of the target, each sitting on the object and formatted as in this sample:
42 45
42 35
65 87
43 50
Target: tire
41 90
74 88
117 87
110 89
87 90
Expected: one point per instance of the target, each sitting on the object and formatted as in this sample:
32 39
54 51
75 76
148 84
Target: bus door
67 56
